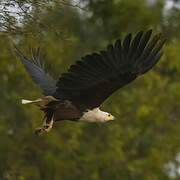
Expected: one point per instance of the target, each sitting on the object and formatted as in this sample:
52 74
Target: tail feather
25 101
42 102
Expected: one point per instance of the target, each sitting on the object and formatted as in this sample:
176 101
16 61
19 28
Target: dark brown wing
94 78
36 69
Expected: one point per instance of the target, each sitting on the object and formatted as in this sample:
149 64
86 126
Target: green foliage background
146 137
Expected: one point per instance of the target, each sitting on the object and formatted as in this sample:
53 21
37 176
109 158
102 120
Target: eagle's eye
111 117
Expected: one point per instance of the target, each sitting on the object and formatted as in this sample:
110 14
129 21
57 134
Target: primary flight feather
77 95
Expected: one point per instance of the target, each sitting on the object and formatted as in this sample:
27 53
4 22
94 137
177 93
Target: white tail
40 102
24 101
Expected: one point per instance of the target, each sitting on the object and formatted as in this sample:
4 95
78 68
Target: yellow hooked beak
111 117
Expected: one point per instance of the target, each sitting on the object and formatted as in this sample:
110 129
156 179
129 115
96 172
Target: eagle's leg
46 127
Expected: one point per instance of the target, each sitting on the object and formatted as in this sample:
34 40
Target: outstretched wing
95 77
36 69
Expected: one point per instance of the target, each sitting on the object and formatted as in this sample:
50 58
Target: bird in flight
78 94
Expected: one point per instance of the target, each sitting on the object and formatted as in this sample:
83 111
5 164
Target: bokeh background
143 144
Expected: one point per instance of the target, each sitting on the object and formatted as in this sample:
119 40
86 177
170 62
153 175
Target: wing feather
135 44
95 77
36 69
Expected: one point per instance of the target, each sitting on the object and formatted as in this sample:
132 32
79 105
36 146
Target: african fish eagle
78 94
